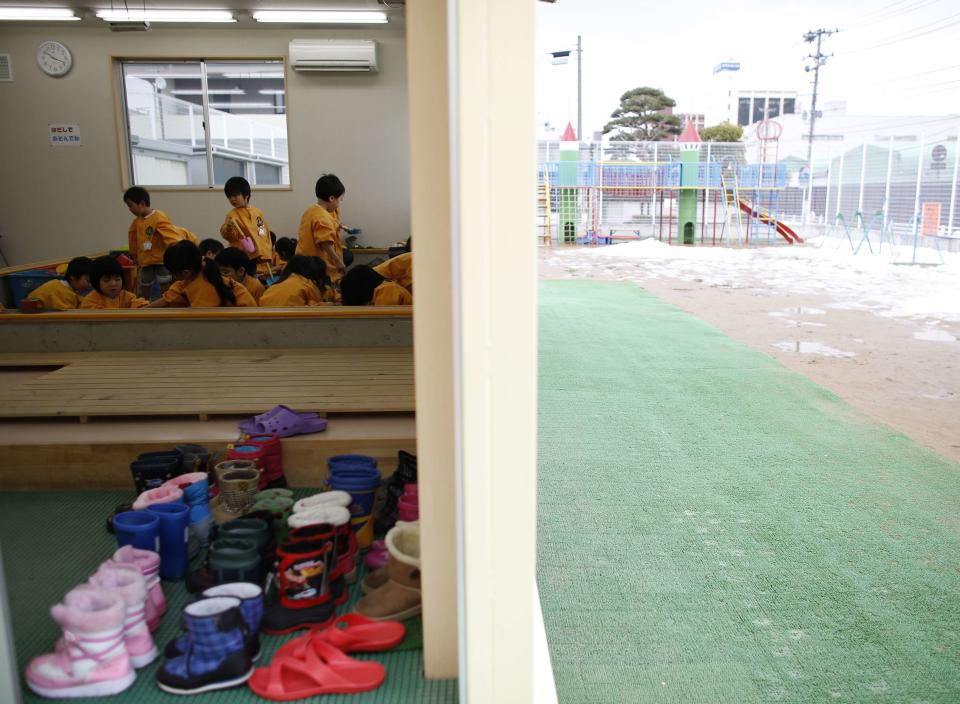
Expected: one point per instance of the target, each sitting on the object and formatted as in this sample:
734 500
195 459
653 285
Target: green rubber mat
53 541
714 528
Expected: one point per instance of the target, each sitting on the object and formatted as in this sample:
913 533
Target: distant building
729 101
697 118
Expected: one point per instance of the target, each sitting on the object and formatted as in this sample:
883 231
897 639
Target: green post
567 182
690 182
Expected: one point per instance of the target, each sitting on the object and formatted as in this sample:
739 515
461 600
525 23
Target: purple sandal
284 422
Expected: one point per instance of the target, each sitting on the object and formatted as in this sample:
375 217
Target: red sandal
321 669
351 633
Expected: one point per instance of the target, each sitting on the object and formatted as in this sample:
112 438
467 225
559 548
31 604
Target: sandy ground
891 356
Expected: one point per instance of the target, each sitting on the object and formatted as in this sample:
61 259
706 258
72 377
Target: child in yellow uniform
245 227
198 282
398 269
319 233
283 251
150 233
362 286
210 248
66 293
304 283
234 266
106 275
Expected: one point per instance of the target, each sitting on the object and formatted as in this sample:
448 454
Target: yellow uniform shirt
185 234
249 222
200 293
57 295
149 237
317 226
399 270
97 301
253 285
295 290
391 294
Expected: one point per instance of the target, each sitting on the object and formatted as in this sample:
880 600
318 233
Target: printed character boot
399 598
346 538
148 562
93 660
322 532
304 572
216 657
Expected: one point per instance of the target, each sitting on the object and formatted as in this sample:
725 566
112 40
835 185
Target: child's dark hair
329 186
185 256
312 268
286 248
237 186
211 245
358 284
235 259
101 268
136 194
77 267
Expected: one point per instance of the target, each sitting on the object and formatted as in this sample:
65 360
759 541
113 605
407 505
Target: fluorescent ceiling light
245 106
321 16
271 91
211 91
246 75
42 14
188 16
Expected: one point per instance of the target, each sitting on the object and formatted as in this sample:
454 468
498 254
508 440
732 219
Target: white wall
64 201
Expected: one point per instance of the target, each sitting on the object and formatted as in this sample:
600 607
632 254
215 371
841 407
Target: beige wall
63 201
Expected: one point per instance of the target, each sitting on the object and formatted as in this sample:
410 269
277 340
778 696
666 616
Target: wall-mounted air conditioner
337 55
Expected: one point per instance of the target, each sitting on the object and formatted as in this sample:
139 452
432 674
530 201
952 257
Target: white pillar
826 193
839 186
886 191
916 196
193 131
863 173
953 188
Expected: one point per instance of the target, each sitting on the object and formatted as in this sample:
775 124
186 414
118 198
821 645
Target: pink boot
164 494
127 580
148 562
94 660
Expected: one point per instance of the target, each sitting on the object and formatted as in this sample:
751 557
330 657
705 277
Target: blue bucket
361 483
351 461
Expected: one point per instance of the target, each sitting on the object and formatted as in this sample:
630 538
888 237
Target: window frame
123 129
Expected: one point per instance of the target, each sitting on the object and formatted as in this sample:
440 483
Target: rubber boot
217 657
130 584
228 560
251 608
393 489
195 487
164 494
258 527
304 571
346 539
148 562
94 660
322 532
399 598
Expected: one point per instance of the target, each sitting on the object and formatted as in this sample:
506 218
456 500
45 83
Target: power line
918 5
900 38
915 75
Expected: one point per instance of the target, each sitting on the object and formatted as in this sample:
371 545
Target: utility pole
579 90
819 59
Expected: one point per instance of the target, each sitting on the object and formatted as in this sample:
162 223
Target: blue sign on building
727 66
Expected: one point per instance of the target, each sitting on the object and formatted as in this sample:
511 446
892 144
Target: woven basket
239 483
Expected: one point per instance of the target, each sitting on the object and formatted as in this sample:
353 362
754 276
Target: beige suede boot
399 597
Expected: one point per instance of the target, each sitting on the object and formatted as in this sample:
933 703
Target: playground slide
787 233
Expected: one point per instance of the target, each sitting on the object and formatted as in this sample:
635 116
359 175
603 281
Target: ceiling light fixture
211 91
37 14
321 16
185 16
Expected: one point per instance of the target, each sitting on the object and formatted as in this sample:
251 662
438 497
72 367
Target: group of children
255 269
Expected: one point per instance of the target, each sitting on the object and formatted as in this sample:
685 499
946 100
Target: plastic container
141 529
361 484
22 283
351 461
173 522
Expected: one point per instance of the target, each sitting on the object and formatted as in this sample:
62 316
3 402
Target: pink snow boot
129 582
148 562
93 661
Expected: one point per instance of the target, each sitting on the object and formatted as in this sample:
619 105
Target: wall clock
54 59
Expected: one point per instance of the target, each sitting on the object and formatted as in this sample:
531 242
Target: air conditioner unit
336 55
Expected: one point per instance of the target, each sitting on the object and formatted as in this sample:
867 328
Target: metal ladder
544 226
731 204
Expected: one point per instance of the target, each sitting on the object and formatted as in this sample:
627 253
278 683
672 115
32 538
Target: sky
891 57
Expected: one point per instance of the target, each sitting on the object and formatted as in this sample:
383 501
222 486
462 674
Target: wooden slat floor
218 382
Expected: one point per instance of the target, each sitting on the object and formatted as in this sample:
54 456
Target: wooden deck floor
218 382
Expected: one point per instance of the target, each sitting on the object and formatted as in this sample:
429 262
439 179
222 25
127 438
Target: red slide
788 234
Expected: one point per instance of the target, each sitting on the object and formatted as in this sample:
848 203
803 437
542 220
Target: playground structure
677 192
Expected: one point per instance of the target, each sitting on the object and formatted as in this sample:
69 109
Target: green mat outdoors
715 528
52 541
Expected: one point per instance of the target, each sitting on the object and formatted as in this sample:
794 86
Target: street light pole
579 90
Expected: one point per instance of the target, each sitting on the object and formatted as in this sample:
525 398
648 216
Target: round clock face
54 59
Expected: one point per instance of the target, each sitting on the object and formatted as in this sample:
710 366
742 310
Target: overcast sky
675 45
